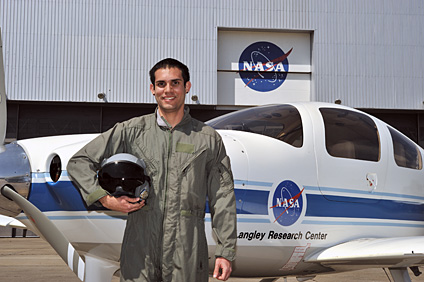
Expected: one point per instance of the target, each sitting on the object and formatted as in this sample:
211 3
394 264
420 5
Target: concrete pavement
33 260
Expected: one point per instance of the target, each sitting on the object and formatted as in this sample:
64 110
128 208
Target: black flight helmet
124 174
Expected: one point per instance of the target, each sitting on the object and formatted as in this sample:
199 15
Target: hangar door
262 67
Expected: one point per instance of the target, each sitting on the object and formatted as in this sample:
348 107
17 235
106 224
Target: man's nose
168 87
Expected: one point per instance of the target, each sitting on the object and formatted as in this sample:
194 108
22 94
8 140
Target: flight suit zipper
165 209
169 153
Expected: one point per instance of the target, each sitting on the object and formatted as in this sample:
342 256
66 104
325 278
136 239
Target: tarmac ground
33 260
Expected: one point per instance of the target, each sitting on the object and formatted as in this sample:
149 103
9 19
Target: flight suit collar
161 121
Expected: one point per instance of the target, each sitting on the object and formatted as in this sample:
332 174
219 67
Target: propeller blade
3 112
49 231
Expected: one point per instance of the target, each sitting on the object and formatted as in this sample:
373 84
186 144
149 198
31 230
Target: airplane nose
15 171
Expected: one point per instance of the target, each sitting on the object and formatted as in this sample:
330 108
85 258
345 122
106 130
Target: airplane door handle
371 181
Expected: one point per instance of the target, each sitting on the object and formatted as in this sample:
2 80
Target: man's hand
222 269
122 204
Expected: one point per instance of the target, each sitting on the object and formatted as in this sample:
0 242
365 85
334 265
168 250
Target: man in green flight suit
165 237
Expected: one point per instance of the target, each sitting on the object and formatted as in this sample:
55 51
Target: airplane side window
350 135
55 168
406 153
282 122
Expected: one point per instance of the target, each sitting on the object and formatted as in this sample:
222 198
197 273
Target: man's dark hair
170 63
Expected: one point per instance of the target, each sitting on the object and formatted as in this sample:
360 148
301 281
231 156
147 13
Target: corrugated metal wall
370 53
367 53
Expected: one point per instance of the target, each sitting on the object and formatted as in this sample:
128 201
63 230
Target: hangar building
80 66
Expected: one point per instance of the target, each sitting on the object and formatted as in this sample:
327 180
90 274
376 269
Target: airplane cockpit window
406 153
350 134
281 122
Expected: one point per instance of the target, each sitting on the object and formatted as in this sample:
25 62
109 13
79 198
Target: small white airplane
320 188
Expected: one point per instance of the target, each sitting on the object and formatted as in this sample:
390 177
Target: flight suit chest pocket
194 179
195 163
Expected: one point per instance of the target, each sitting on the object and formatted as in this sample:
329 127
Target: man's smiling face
169 90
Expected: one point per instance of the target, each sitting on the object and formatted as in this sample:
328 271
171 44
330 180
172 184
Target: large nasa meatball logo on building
263 66
287 203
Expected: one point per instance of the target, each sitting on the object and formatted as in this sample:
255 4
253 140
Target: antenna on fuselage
3 110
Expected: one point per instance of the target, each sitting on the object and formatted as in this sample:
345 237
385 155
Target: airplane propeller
89 269
3 112
49 231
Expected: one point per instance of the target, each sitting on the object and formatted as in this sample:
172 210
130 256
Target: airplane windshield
281 122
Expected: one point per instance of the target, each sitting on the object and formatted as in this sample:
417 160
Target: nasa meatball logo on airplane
287 203
263 66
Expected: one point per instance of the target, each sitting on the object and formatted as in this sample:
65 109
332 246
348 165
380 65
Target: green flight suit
165 240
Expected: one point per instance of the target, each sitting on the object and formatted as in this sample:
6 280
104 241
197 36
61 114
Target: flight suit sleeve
83 166
222 204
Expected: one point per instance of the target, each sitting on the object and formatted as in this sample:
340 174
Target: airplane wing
7 221
399 252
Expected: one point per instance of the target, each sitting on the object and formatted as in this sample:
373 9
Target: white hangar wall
368 54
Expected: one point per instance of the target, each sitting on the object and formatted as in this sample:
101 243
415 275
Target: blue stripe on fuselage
350 207
49 196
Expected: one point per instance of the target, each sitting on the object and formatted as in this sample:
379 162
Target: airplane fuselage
297 192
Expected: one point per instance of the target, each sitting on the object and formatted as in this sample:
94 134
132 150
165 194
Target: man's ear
152 89
187 86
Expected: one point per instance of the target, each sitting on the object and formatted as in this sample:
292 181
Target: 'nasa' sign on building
263 66
256 68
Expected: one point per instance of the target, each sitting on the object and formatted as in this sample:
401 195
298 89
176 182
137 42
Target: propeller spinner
14 164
